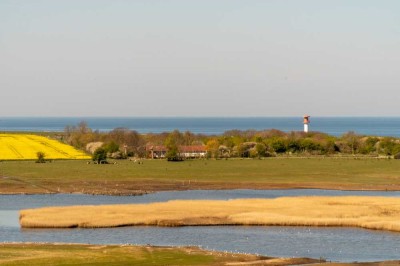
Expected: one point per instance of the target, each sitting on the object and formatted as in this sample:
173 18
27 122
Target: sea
377 126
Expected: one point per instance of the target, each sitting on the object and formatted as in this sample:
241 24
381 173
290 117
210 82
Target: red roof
155 148
193 148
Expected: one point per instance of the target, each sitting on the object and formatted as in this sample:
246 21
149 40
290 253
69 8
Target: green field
95 255
152 175
42 254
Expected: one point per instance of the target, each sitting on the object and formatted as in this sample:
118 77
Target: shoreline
125 187
224 258
212 188
190 255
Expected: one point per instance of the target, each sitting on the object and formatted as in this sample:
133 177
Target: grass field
26 146
127 177
379 213
95 255
64 254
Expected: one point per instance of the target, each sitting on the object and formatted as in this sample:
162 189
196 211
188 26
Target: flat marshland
381 213
77 254
65 254
127 177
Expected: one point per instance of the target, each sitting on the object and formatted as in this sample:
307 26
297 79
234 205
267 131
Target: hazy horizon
226 58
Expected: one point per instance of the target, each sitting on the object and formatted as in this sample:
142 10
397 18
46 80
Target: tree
212 148
171 143
369 145
131 141
188 138
99 155
245 149
111 147
40 157
278 145
352 140
80 135
261 150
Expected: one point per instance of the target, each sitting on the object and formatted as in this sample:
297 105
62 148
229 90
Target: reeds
381 213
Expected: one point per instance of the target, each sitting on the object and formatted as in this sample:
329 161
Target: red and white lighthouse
306 121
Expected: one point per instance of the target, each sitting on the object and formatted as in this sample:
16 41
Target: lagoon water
337 244
382 126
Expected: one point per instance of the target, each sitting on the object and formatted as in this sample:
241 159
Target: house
193 151
156 151
187 152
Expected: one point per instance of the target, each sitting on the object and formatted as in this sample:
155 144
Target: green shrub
40 157
99 155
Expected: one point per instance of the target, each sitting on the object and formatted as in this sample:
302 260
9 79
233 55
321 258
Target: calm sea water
337 244
382 126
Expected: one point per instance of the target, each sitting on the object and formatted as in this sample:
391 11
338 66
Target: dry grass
381 213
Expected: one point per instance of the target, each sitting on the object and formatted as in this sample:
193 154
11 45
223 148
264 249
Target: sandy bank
380 213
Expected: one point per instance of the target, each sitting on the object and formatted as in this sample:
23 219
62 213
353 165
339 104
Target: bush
397 156
244 149
278 145
111 147
99 155
40 157
116 155
172 155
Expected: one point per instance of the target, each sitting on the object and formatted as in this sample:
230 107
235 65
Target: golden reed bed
381 213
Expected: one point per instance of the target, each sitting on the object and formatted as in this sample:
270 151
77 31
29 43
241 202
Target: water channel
336 244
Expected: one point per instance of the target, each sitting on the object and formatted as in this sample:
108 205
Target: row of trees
122 142
272 142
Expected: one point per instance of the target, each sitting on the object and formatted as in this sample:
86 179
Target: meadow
77 254
66 254
128 177
26 147
379 213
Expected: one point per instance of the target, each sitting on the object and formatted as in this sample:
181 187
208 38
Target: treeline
122 142
118 143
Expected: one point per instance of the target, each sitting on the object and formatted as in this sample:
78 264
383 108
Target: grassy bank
64 254
366 212
127 177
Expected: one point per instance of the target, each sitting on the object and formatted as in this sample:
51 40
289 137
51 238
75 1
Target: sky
199 58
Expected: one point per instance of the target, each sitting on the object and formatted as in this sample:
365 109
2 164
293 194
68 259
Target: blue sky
199 58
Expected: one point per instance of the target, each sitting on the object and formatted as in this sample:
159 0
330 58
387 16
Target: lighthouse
306 121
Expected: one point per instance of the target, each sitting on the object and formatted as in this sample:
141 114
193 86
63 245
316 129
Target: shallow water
337 244
17 202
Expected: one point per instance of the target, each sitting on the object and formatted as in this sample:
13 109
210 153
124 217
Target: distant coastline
377 126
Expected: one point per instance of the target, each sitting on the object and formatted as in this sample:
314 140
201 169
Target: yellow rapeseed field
26 146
